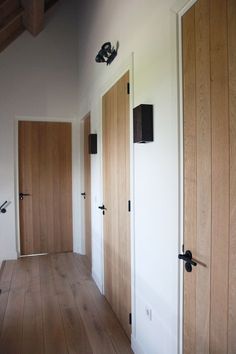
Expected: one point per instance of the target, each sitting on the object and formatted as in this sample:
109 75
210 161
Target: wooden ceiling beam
34 15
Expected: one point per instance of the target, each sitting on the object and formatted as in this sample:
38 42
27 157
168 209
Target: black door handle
22 195
2 209
84 195
187 258
102 207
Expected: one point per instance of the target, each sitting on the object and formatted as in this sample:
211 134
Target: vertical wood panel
213 291
45 172
87 190
203 251
123 138
220 177
116 181
232 115
190 175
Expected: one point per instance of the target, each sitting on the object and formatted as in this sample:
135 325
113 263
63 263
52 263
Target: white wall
148 28
38 78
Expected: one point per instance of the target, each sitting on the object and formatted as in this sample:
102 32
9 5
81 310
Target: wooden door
45 174
116 184
209 77
87 191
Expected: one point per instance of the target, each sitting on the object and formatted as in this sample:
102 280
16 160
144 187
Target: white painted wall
148 28
38 78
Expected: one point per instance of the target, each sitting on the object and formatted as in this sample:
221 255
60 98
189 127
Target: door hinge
128 88
129 206
130 318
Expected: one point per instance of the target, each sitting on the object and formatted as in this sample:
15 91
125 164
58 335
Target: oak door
45 178
116 186
87 190
209 77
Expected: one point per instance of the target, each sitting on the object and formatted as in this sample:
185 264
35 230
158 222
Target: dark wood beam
34 15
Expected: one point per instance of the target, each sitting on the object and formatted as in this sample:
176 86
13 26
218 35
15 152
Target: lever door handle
84 195
2 209
22 195
187 257
102 207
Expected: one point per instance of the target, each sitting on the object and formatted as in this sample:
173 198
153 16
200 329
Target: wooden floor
50 304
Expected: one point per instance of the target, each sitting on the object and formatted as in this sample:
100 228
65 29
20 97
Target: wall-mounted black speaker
92 141
143 123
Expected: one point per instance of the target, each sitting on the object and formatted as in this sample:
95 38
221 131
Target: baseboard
136 347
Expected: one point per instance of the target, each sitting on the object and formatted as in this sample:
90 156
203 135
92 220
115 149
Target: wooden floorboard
50 304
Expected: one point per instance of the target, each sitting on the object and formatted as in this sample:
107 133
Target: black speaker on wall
92 141
143 123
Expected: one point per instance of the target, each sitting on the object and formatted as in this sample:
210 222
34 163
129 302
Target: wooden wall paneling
28 172
67 243
45 172
110 193
123 155
116 195
190 175
47 189
220 177
232 119
203 182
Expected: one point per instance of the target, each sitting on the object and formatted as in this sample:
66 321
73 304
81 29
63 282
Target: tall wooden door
209 77
46 180
116 184
87 191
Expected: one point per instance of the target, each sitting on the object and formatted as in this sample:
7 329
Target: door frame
82 186
180 9
76 203
127 67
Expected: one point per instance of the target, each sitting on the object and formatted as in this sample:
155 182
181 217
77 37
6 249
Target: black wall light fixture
92 142
143 123
107 53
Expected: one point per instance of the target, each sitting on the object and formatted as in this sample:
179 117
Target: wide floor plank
50 304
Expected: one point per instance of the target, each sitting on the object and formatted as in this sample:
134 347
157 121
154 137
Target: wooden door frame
76 204
127 67
181 7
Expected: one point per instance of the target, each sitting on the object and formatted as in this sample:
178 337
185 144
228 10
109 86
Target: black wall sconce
107 53
143 123
92 142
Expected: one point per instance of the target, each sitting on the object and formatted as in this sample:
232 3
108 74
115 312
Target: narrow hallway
50 304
